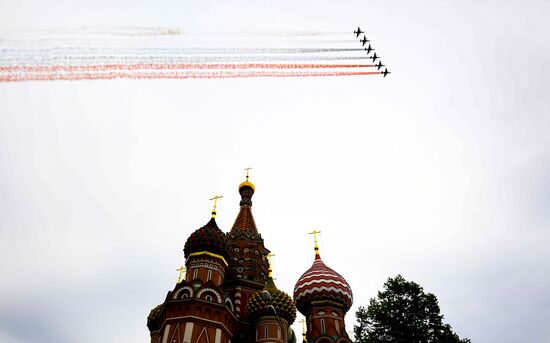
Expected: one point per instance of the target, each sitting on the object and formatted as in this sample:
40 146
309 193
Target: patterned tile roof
322 283
208 238
257 306
244 224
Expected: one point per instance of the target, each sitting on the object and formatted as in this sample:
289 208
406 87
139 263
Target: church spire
244 224
248 265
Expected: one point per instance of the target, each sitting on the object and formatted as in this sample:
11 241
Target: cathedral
228 294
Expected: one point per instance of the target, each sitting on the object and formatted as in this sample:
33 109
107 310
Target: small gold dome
247 183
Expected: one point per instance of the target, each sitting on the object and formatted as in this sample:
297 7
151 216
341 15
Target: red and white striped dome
321 283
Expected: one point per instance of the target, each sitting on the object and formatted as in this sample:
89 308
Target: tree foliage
403 313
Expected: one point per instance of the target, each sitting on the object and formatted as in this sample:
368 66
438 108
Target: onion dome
208 238
246 189
320 283
153 318
258 306
247 184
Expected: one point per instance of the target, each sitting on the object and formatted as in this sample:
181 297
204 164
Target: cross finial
303 322
247 172
316 247
270 261
181 271
215 198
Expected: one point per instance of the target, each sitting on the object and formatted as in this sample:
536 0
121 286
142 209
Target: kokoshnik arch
229 296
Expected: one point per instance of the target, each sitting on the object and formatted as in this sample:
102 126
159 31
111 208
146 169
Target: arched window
183 293
209 294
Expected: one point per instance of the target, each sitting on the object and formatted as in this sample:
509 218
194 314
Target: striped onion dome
208 238
321 283
257 306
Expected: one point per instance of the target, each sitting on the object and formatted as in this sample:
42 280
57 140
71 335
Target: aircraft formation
165 53
368 49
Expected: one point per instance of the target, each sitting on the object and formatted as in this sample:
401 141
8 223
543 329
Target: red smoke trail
175 75
180 66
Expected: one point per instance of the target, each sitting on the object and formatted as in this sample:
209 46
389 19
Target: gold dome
247 183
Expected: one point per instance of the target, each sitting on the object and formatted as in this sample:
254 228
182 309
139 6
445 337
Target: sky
439 172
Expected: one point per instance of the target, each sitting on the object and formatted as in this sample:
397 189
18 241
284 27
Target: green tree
403 313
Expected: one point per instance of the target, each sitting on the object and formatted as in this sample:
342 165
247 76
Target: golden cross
270 261
314 233
303 326
247 172
215 198
182 270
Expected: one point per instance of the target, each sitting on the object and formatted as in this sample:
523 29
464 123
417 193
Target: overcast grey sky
439 172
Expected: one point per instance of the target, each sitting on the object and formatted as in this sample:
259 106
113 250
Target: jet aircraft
379 65
374 57
385 72
358 32
364 40
369 49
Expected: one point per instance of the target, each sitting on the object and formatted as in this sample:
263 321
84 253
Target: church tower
196 310
323 296
248 265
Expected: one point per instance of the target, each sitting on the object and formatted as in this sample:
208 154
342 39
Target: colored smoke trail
109 59
171 50
147 53
175 75
74 68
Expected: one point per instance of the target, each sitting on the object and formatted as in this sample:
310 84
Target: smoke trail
175 31
73 68
177 75
110 59
91 53
169 50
